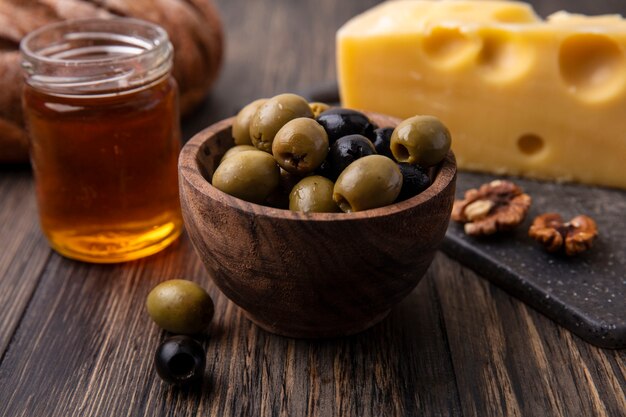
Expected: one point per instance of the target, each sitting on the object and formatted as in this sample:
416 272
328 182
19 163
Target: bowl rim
189 169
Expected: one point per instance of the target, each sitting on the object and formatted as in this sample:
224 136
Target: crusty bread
194 28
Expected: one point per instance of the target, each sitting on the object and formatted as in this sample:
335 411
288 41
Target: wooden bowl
310 275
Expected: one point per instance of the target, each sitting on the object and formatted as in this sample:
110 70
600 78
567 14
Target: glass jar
101 109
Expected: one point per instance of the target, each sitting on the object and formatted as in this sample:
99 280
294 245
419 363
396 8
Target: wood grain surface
75 339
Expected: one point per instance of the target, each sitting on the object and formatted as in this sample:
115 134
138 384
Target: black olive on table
180 360
339 122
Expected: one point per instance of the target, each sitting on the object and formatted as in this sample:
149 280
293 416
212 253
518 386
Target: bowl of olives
316 221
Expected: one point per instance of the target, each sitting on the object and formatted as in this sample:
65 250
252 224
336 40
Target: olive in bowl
339 122
382 141
420 140
369 182
346 150
300 146
313 194
272 115
241 125
249 175
310 274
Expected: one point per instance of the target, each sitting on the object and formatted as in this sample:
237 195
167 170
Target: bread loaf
194 28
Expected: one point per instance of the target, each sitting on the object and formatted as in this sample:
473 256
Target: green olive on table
420 140
313 194
238 148
180 306
250 175
272 115
300 146
241 124
369 182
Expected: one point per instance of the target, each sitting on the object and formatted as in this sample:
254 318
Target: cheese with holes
520 95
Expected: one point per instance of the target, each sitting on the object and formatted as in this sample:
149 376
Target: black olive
414 180
340 122
347 150
382 139
179 360
326 170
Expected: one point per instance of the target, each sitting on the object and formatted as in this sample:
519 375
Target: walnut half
497 206
574 237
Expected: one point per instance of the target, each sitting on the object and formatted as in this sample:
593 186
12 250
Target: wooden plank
273 47
23 250
509 360
85 348
82 334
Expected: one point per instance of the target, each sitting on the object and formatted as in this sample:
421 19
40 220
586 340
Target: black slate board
585 294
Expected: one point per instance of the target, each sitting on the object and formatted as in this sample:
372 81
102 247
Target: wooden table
75 339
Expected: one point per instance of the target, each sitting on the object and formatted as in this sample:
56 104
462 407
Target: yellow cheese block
521 95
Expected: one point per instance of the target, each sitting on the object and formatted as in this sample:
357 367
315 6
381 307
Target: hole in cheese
530 144
503 56
592 66
448 46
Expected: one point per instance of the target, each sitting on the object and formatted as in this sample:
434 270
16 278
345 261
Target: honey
105 141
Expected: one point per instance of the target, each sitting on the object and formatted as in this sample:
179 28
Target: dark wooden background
75 339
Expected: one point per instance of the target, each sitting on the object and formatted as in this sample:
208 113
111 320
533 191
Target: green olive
369 182
239 148
313 194
272 115
180 306
300 146
420 140
318 108
249 175
241 124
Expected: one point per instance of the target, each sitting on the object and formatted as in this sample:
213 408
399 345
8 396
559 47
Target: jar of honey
102 114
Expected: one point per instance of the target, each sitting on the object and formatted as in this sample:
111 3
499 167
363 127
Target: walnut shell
194 27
